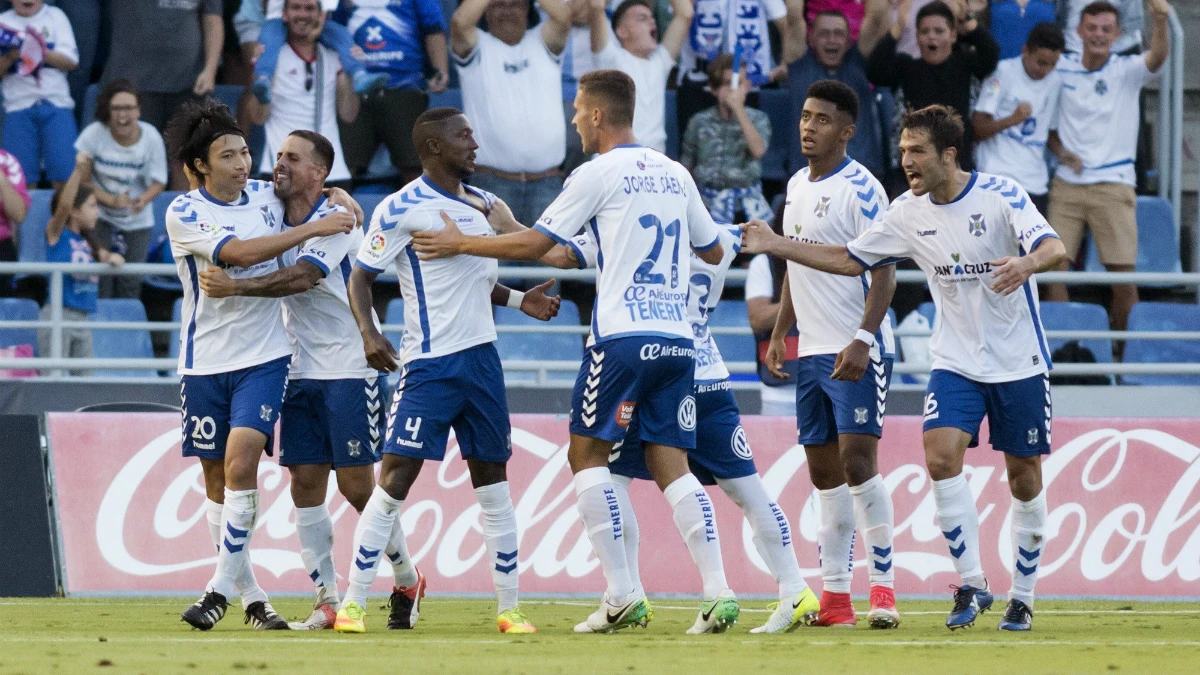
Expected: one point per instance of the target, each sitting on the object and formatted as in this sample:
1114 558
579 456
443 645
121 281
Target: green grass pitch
144 635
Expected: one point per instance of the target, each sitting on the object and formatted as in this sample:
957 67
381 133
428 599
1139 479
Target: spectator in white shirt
1015 110
39 127
638 53
1132 21
1095 142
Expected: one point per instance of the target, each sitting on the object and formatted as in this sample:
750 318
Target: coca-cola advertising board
1124 513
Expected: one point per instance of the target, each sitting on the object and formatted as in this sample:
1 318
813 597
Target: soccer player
234 354
846 349
450 374
979 241
722 456
642 208
331 416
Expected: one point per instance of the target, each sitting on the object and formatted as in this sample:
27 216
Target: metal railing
55 361
1170 124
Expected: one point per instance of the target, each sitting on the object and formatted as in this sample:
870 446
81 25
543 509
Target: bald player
450 374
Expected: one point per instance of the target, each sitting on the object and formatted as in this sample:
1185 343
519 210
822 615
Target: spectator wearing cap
1010 22
129 169
828 52
1096 141
511 77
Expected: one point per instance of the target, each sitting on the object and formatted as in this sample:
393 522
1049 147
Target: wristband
866 337
515 298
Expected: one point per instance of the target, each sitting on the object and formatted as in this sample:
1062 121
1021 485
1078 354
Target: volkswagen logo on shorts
741 446
687 414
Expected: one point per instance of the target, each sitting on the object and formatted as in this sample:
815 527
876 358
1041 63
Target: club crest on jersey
1033 436
265 413
1101 87
353 448
822 208
976 226
860 415
268 216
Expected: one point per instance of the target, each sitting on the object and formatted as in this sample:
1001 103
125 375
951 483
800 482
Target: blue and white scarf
711 30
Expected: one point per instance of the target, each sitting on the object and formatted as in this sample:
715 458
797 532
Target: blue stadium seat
121 344
1163 316
160 205
671 125
732 313
1078 316
18 309
778 106
540 346
1158 242
368 200
928 310
450 98
33 228
89 104
395 314
176 316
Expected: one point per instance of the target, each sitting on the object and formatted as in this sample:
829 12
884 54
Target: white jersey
979 334
706 284
1098 117
326 344
221 335
1018 151
304 96
833 210
650 84
447 302
646 213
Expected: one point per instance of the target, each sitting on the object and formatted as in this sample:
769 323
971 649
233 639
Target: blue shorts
337 422
463 391
721 447
214 404
826 408
648 374
1018 412
42 134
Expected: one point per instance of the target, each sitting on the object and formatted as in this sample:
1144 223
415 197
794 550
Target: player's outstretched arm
533 302
291 280
851 363
250 252
450 241
757 237
381 355
561 256
1011 272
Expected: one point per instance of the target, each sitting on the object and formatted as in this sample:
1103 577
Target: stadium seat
395 314
928 310
732 313
539 346
1158 241
33 228
778 107
160 205
18 309
368 200
121 344
1078 316
450 98
176 316
1163 316
671 124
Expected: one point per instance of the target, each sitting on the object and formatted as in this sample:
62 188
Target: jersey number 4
645 273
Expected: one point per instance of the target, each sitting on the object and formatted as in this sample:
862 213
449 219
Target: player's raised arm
450 241
757 237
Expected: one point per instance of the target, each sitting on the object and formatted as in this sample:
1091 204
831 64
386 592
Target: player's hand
339 197
338 222
539 305
433 244
501 218
381 355
757 236
216 283
776 354
1023 112
851 362
1010 273
206 81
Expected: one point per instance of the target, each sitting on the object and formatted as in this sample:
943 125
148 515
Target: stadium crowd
1049 91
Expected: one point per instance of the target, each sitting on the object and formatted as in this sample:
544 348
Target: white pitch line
575 603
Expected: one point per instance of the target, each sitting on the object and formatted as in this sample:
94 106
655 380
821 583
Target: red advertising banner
1123 502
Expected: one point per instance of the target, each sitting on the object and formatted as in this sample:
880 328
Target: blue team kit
1018 412
826 408
337 422
214 404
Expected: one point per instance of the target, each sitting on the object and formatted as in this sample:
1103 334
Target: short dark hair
110 90
194 128
835 13
943 124
619 12
837 93
937 8
716 70
322 149
1046 35
617 92
1098 8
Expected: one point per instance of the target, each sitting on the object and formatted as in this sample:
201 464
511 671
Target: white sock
772 534
214 513
959 520
370 538
697 523
403 571
632 534
836 539
873 512
247 585
600 511
237 528
315 531
1028 530
500 538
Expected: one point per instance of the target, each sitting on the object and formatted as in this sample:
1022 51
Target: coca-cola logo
1124 513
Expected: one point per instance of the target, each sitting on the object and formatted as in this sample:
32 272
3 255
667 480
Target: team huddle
652 399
